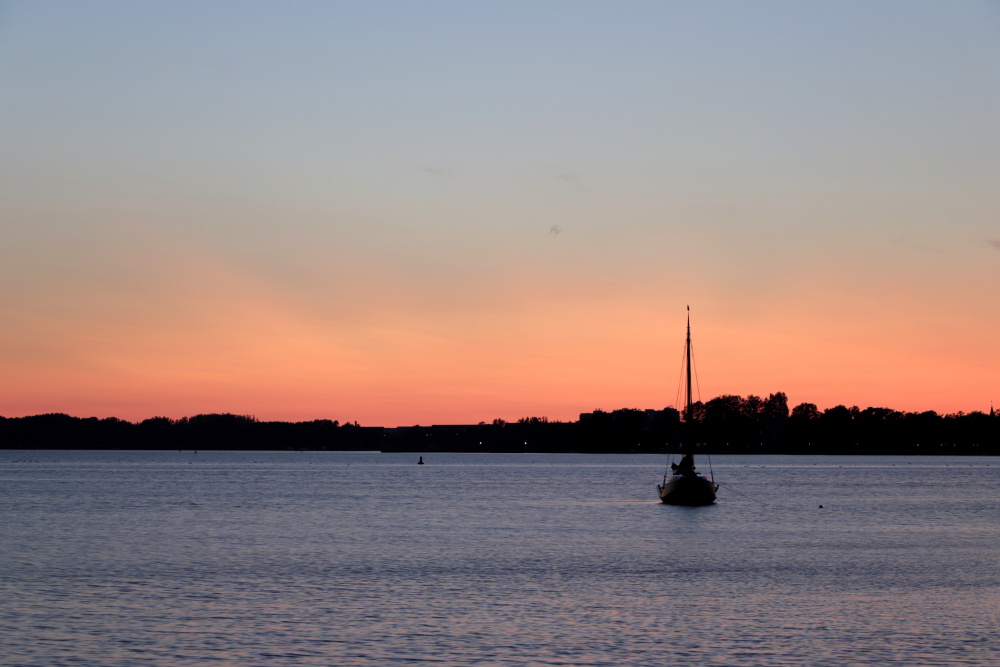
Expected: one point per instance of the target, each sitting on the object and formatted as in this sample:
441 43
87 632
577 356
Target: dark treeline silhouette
726 425
213 431
753 424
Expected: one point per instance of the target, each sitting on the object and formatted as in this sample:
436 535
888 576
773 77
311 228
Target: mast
687 357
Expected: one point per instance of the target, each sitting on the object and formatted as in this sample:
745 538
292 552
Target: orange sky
216 341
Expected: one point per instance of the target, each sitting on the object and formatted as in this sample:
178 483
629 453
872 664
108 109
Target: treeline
211 431
750 424
727 424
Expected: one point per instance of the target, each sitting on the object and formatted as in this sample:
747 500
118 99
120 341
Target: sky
429 212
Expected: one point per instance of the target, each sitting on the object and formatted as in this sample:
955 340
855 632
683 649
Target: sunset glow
421 213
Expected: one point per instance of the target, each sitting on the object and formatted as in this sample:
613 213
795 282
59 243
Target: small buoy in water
421 461
821 507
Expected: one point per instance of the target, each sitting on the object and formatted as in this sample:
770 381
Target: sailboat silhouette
685 486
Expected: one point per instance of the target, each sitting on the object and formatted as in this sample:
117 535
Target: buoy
821 507
421 461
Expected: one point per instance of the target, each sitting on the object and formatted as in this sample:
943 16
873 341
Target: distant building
646 418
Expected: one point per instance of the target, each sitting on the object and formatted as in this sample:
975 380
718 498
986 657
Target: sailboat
685 486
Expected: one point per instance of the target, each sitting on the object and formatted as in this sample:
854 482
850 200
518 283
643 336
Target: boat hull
691 490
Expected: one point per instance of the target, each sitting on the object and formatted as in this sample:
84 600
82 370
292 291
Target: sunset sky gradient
445 212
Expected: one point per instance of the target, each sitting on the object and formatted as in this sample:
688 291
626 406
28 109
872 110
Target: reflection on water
177 558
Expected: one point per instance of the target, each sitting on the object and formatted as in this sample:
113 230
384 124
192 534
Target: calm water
238 558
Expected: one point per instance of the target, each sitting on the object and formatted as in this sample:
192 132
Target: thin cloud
573 179
994 242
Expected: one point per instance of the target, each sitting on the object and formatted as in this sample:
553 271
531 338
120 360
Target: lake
118 558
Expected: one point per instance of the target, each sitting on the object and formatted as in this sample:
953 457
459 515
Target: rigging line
744 495
667 469
694 365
